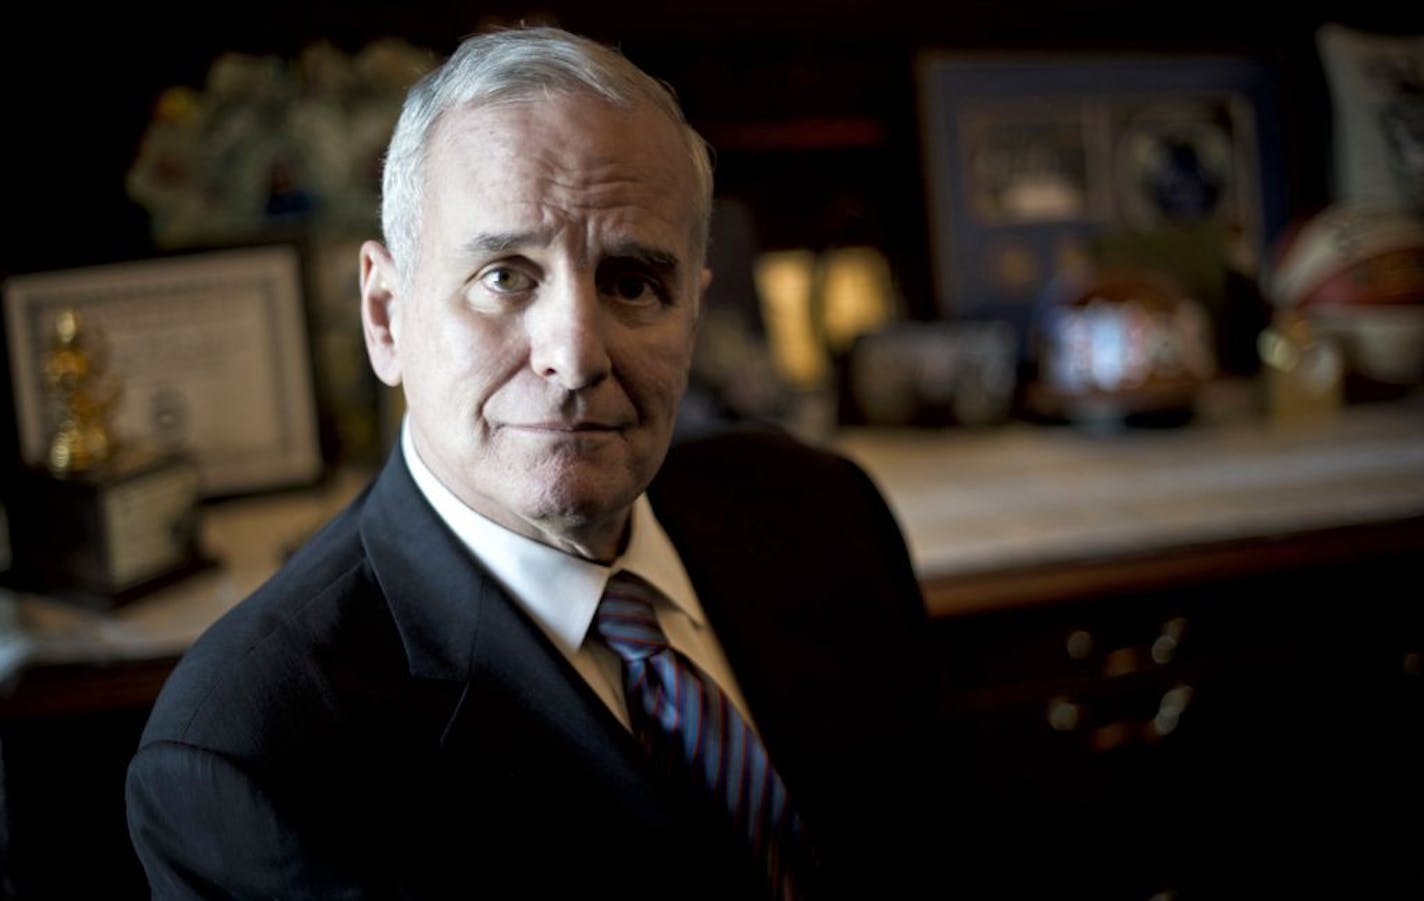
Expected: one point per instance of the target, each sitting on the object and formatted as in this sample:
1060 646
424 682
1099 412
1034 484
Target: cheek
659 373
470 349
462 357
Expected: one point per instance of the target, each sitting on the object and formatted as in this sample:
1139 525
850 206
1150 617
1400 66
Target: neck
600 542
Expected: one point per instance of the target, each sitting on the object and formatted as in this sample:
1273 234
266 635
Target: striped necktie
685 719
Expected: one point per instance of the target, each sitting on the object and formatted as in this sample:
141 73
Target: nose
567 345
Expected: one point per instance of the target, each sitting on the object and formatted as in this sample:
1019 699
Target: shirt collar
558 590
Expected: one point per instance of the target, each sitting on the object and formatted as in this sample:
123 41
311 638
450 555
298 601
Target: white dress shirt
560 591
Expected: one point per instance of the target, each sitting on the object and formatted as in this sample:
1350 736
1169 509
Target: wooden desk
1024 515
1051 560
1013 516
59 658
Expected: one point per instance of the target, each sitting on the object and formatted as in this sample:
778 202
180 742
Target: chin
572 494
576 509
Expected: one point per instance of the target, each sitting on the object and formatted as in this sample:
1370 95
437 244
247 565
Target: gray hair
511 65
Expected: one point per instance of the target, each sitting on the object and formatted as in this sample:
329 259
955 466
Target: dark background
752 75
812 108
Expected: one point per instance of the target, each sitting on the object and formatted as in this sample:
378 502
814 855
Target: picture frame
208 353
1029 158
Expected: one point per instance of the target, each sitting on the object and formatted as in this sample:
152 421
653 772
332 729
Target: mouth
581 427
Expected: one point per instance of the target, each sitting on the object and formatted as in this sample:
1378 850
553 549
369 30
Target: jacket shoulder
275 665
760 458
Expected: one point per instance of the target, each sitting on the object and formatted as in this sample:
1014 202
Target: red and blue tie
682 715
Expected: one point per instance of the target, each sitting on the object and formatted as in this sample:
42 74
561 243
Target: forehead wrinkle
605 191
603 194
609 229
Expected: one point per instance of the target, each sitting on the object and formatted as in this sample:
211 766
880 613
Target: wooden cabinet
1258 735
1174 664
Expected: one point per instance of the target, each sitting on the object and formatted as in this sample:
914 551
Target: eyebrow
664 262
658 259
503 242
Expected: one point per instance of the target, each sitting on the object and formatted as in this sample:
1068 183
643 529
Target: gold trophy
100 521
84 440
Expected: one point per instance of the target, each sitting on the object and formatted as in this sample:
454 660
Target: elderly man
500 673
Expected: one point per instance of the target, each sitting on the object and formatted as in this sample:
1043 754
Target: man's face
546 330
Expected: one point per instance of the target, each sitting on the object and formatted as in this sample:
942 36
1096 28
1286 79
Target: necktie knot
625 619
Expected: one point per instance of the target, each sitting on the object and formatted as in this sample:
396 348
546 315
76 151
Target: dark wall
810 104
80 88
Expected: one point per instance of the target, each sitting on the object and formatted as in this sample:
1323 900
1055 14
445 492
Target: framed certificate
209 353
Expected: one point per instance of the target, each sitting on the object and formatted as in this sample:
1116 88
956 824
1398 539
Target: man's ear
703 281
379 311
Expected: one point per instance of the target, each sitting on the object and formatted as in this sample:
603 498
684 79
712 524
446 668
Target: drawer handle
1170 709
1127 660
1063 715
1079 644
1067 715
1164 648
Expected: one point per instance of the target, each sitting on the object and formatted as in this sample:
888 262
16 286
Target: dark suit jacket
380 720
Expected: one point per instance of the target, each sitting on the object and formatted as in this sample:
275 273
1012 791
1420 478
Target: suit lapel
766 595
458 625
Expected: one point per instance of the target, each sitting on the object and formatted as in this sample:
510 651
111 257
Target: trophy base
105 537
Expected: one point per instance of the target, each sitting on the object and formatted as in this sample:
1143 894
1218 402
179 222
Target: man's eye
634 289
506 280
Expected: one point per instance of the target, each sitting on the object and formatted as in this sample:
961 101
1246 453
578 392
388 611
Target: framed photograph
207 353
1028 159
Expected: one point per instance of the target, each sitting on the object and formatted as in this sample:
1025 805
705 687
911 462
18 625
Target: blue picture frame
1025 159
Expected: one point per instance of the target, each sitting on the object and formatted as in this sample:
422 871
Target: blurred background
863 184
1121 303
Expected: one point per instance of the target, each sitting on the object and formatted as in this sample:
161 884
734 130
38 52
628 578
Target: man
431 699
